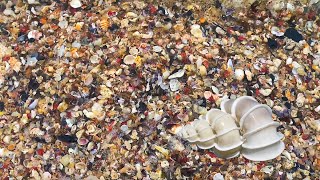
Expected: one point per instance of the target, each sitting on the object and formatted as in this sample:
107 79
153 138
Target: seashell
174 85
178 74
206 137
46 176
134 51
276 31
129 59
104 23
267 169
33 104
300 100
91 128
83 141
6 139
228 139
265 92
220 31
259 129
239 74
90 146
94 59
203 70
230 64
75 3
317 109
289 61
248 74
306 50
196 31
80 166
157 49
34 34
176 129
277 62
9 12
287 154
218 176
265 153
131 15
178 27
207 94
87 79
65 160
257 138
63 24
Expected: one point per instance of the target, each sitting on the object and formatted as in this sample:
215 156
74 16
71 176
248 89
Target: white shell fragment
178 74
75 3
276 31
174 85
196 31
129 59
265 92
239 74
157 49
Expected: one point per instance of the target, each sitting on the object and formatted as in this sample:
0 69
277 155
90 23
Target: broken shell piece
265 92
83 141
220 31
196 31
276 31
248 74
157 49
300 100
75 4
207 94
174 85
239 74
178 74
203 70
34 34
129 59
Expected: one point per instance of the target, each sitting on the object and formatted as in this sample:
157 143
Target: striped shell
104 23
